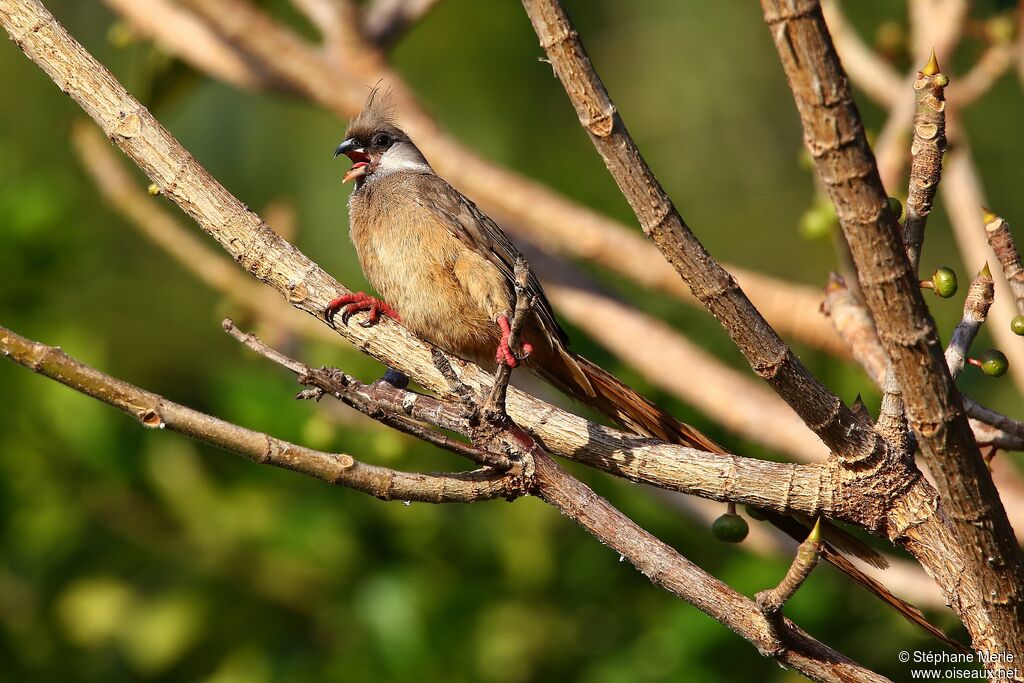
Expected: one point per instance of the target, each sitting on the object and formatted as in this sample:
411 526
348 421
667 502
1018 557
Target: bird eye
382 140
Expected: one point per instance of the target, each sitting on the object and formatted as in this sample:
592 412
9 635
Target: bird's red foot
504 354
360 301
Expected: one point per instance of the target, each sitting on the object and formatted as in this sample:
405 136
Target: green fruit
994 363
756 513
730 528
944 281
896 206
120 35
1017 324
1000 29
819 221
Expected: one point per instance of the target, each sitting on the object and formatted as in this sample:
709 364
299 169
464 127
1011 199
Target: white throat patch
402 156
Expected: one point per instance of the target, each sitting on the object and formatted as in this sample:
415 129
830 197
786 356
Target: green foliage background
128 554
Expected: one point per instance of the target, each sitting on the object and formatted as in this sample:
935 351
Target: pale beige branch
384 21
180 32
990 67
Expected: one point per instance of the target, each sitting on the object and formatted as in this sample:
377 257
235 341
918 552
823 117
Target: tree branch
927 148
976 304
771 601
835 135
997 232
156 412
664 566
385 21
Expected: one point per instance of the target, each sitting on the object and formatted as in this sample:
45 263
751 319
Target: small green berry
1000 29
120 35
896 206
730 528
805 160
1017 325
756 513
994 363
819 221
890 38
944 282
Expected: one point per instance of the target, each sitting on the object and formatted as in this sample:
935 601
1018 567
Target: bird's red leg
504 352
360 301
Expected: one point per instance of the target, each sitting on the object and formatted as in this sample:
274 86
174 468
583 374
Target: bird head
376 145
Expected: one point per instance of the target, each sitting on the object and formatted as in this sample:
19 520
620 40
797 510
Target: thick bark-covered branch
854 324
835 135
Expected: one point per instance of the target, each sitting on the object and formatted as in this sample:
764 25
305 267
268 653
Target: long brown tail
599 389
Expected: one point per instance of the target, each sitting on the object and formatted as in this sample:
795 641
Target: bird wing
477 231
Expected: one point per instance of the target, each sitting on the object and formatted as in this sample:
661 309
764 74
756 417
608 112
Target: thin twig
997 231
770 601
976 304
357 395
927 148
156 412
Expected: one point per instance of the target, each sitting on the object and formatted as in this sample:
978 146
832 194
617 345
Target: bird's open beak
360 159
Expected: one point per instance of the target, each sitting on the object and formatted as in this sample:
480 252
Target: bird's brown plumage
449 271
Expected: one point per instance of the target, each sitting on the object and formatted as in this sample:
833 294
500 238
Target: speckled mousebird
445 271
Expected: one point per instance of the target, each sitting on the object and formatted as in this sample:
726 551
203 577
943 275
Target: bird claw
504 355
350 304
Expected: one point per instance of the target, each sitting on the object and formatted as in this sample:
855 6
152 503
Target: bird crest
379 113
